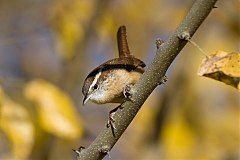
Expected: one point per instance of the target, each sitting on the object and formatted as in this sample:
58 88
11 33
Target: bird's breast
116 82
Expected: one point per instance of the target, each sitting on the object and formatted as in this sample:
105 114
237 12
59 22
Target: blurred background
47 48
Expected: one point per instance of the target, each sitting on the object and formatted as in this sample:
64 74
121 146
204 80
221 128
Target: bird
111 82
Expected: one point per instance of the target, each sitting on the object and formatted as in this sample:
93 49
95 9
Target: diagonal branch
165 55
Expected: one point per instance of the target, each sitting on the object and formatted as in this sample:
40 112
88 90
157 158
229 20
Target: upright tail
122 42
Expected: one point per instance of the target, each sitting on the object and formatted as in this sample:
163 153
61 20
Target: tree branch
152 77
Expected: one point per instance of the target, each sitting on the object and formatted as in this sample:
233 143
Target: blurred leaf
178 138
67 22
106 25
18 127
56 113
222 66
221 138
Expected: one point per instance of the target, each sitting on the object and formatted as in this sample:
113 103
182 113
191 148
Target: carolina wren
108 82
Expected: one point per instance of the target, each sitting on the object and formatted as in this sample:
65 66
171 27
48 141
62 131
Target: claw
111 121
128 92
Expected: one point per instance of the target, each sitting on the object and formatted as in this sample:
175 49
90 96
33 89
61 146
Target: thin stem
198 47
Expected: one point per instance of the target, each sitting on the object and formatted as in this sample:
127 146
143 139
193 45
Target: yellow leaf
222 66
56 112
16 124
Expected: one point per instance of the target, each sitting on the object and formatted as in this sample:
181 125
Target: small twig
186 36
78 151
159 42
105 150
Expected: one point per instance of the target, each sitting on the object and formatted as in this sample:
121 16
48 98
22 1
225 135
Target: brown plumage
122 42
126 63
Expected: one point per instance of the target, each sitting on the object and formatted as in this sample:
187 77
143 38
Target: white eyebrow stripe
95 79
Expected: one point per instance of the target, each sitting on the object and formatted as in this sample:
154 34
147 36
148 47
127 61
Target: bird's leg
111 120
127 92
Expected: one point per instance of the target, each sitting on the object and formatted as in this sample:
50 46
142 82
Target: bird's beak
86 98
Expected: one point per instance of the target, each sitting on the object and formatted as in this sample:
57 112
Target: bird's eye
95 86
